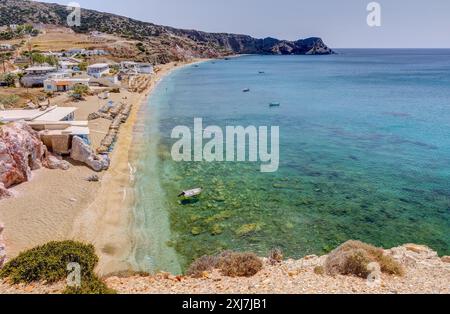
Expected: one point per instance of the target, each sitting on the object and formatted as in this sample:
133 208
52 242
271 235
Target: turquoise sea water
364 154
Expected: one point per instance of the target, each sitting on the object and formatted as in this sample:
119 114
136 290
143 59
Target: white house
52 114
6 47
98 70
69 65
64 84
35 76
132 67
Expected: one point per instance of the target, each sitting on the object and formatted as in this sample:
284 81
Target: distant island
160 44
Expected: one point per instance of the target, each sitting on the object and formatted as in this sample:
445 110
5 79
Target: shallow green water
364 155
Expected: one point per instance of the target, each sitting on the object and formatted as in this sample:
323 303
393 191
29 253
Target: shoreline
108 221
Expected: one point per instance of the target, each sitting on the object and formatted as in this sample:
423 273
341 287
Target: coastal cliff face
160 44
21 151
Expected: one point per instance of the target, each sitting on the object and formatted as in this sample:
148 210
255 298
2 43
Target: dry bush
319 270
240 264
275 256
201 265
352 258
231 264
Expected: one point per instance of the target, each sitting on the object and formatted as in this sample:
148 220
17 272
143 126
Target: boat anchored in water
191 193
246 90
274 104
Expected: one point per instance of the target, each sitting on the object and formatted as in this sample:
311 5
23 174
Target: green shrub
48 263
9 100
353 257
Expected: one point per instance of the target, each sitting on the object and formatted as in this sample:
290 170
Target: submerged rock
246 229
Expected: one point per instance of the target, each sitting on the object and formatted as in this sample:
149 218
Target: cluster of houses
55 124
6 47
68 74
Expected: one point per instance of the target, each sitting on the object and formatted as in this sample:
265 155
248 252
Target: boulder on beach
53 161
82 152
21 151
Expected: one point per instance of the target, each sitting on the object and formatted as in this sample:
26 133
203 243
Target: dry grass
231 264
353 257
201 265
58 39
24 94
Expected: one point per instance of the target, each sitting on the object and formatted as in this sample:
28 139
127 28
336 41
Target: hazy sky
341 23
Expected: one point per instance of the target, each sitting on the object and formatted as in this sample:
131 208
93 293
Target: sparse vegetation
9 79
203 264
353 257
18 32
231 264
9 101
319 270
38 58
48 263
79 91
275 256
83 66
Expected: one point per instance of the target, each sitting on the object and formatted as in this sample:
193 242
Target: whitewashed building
35 76
98 70
131 67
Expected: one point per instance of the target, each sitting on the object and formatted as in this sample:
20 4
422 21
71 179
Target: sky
340 23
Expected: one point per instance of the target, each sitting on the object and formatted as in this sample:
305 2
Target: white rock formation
82 152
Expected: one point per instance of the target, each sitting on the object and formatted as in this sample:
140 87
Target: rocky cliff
21 151
160 42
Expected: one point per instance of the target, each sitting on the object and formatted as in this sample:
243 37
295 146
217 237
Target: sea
364 154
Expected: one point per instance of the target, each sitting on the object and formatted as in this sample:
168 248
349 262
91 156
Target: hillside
159 44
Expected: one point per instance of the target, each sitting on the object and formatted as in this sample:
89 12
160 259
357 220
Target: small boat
261 72
246 90
191 193
274 104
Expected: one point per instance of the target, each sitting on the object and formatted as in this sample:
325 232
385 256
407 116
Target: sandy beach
60 205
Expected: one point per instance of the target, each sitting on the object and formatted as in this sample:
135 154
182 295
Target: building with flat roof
98 70
36 75
131 67
64 84
52 114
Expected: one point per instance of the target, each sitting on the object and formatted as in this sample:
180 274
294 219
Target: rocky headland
157 43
